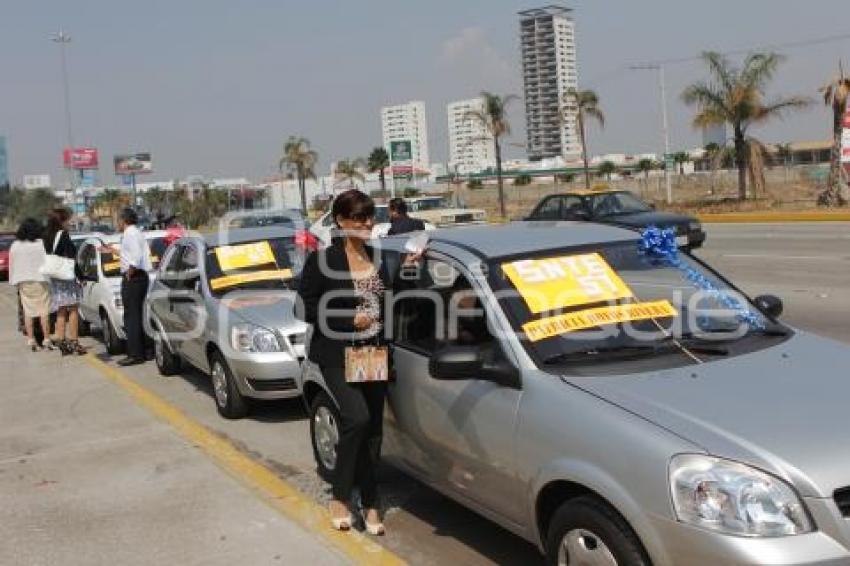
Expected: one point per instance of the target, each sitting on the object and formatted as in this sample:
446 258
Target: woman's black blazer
315 282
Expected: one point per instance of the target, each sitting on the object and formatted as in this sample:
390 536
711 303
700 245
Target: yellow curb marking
271 488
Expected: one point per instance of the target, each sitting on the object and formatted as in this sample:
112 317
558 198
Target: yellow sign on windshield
244 255
591 318
241 278
565 281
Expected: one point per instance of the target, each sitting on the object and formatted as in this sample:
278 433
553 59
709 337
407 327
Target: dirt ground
793 189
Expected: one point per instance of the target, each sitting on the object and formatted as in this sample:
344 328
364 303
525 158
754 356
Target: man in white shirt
135 263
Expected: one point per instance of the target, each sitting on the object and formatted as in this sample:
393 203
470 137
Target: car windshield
611 204
574 301
6 242
259 264
428 204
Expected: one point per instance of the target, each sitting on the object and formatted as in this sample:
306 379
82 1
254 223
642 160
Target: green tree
300 161
680 158
18 204
584 105
350 170
378 161
494 118
111 201
645 166
157 201
606 169
736 96
836 94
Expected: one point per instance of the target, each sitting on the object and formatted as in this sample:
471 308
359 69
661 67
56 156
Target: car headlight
250 338
735 499
116 299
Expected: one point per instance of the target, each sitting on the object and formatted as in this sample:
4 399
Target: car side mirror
459 363
771 305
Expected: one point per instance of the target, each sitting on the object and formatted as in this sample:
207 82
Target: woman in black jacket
65 295
342 290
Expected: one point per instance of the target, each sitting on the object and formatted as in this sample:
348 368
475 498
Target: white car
323 227
101 306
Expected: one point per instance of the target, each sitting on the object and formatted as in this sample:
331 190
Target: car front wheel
324 434
228 400
586 530
114 344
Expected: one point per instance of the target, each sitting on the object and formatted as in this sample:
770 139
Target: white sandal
342 523
374 529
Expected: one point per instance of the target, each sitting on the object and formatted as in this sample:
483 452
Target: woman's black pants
361 411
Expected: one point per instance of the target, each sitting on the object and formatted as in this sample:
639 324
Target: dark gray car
683 437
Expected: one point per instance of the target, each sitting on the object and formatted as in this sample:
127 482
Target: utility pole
63 38
665 125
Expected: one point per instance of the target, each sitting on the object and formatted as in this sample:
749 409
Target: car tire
114 344
588 530
324 434
231 404
83 327
167 362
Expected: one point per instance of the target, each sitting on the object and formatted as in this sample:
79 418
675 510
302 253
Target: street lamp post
665 125
63 38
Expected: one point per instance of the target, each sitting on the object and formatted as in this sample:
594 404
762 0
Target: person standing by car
400 222
135 263
341 290
65 294
26 256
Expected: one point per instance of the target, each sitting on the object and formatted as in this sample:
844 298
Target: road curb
757 217
273 490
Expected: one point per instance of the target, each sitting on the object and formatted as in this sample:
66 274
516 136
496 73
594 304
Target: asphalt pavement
88 475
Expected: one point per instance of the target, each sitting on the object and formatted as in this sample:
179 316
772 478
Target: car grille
463 218
842 499
285 384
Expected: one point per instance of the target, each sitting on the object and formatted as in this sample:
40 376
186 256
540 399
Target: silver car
689 439
223 304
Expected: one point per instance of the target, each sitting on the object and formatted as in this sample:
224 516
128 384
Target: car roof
516 238
589 193
236 235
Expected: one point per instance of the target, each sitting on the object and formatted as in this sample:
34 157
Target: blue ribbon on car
660 244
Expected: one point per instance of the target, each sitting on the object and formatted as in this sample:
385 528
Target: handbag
366 364
58 267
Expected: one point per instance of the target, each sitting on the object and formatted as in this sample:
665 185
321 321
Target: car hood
639 219
270 309
783 409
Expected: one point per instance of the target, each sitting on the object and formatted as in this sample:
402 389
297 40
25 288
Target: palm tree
583 104
836 94
113 200
737 96
299 160
350 170
494 118
645 166
607 168
680 158
378 161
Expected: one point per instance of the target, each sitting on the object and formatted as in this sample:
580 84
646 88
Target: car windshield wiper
664 346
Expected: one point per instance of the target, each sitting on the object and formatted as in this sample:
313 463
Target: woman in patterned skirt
65 295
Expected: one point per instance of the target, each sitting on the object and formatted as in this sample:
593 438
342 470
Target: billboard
79 158
87 178
133 164
401 150
37 181
4 163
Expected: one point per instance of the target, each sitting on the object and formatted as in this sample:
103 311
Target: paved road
807 265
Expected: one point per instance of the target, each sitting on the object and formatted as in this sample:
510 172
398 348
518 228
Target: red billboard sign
80 158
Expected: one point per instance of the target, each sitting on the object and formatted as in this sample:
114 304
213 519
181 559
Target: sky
214 88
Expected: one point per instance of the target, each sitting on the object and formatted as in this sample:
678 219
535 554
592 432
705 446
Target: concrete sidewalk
87 477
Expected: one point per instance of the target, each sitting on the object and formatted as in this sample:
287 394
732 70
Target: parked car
620 208
291 218
6 239
441 213
323 227
726 445
101 305
224 304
